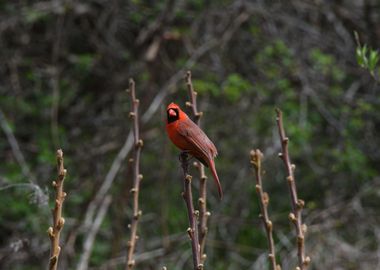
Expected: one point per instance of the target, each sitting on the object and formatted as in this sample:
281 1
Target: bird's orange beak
172 112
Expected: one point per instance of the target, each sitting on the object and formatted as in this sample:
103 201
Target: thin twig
93 231
137 177
114 262
256 157
41 197
203 213
5 126
58 221
297 204
192 214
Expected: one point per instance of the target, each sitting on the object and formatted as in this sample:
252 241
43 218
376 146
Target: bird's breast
176 137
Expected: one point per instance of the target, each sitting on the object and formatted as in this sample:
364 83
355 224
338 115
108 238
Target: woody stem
192 214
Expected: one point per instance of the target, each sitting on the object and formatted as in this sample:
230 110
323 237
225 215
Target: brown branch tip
193 214
202 201
137 177
256 158
58 221
297 205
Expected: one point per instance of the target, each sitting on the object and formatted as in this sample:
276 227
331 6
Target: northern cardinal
188 137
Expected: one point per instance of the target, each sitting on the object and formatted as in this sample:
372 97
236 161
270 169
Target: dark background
65 66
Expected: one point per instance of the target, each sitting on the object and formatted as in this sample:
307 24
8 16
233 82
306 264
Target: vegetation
65 66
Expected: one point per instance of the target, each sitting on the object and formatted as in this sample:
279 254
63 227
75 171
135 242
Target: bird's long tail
216 178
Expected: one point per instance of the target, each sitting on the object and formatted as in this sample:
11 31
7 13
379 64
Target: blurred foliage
367 58
66 64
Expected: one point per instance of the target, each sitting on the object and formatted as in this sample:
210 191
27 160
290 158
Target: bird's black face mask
173 115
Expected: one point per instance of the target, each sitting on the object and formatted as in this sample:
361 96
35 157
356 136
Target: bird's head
174 113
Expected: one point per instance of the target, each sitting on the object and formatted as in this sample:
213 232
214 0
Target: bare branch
58 221
203 213
93 231
297 204
256 157
137 177
193 98
192 214
15 147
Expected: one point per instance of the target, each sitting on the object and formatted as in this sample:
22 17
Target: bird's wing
194 135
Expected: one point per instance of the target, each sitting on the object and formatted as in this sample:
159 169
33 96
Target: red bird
187 136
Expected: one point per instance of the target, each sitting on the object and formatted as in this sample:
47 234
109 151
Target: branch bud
269 225
50 232
60 224
290 178
53 260
57 203
265 198
190 233
258 188
300 238
131 263
300 203
292 217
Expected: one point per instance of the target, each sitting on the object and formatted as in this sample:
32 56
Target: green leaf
359 57
373 59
